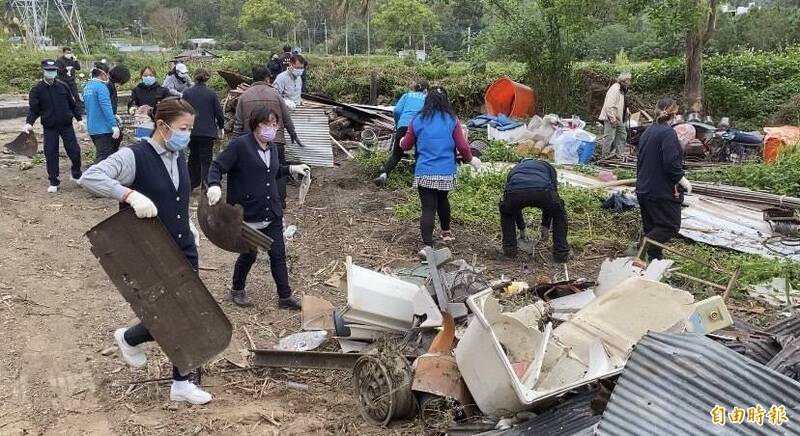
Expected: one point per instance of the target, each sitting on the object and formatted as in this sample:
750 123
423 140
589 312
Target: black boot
240 298
291 302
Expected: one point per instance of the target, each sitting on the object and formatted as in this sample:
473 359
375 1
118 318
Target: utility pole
469 38
325 23
423 44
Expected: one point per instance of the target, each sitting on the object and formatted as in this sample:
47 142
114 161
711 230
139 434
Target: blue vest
436 149
153 181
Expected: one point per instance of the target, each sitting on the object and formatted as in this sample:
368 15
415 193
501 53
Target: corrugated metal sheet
673 381
572 417
311 124
788 327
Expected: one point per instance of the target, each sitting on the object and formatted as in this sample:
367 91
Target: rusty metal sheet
224 226
154 277
24 144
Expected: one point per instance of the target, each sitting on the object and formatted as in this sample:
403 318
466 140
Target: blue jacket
436 148
99 111
532 174
408 107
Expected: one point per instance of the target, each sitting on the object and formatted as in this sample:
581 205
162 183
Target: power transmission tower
33 14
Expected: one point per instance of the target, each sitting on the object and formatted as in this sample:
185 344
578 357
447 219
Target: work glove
296 140
290 104
299 170
214 194
27 128
686 185
476 163
132 110
220 133
115 132
544 233
142 205
195 233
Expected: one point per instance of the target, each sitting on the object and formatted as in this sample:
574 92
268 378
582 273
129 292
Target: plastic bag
304 341
566 147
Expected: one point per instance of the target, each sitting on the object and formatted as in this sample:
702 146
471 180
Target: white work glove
290 104
132 110
686 185
476 163
142 205
81 126
115 132
27 128
214 194
220 133
299 170
195 233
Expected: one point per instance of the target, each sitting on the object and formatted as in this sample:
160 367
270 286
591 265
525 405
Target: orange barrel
506 96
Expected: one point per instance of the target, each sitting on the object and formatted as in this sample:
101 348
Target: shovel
224 226
24 144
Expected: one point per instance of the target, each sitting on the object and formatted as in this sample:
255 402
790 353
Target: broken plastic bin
506 96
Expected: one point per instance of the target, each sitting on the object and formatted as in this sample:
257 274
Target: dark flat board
154 277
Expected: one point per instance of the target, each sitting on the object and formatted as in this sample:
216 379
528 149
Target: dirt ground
59 372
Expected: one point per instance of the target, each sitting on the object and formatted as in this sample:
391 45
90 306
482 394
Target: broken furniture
727 288
510 364
155 278
223 225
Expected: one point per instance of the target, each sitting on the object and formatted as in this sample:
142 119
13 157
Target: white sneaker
133 356
189 392
52 189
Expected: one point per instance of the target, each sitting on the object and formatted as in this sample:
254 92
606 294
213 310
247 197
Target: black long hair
436 102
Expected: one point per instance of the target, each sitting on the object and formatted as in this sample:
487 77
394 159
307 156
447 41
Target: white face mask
68 56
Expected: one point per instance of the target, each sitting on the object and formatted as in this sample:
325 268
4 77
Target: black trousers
434 201
554 217
105 145
277 262
661 221
201 152
67 135
282 180
137 335
397 152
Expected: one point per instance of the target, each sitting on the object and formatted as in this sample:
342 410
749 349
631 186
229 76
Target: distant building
196 43
737 11
199 53
420 55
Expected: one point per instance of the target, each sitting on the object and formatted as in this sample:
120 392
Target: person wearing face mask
101 122
208 123
289 83
178 80
52 101
660 180
253 170
144 98
151 177
68 66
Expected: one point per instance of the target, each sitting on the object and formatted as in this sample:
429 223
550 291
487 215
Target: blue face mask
298 72
149 80
179 139
50 74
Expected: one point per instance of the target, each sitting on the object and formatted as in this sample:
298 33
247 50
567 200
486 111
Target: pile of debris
436 341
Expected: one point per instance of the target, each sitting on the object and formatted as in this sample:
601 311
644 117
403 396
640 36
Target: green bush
781 178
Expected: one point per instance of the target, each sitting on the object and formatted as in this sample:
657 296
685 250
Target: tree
259 14
696 21
398 20
169 25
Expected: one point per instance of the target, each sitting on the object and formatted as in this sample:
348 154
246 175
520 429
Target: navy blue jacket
532 174
250 183
659 166
54 103
153 181
208 116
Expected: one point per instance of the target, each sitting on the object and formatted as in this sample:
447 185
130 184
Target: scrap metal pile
436 341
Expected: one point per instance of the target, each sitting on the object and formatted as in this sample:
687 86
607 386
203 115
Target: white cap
181 68
625 76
